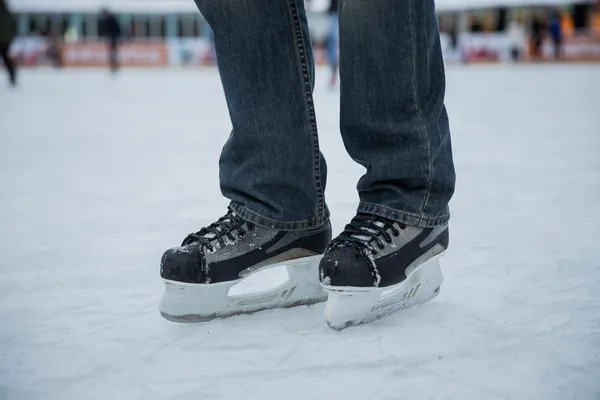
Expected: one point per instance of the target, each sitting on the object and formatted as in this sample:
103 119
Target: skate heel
350 306
186 302
304 277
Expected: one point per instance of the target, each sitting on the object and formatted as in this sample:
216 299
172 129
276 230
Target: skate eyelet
395 233
251 227
403 226
380 246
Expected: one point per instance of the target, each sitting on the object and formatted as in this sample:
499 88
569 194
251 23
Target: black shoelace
219 231
368 232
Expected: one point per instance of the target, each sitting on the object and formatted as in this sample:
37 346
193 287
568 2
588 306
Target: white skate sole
188 302
351 306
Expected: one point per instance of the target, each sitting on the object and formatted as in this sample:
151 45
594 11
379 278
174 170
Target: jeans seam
419 110
310 108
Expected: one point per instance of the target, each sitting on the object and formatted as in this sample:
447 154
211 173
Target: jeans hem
408 218
260 220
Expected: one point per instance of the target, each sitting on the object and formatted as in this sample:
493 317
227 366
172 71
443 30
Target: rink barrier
193 52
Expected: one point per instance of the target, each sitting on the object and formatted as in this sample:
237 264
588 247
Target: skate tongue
212 235
368 238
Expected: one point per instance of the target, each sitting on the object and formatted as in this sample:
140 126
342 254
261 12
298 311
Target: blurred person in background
111 30
54 50
393 122
7 34
453 35
556 34
456 53
332 42
517 38
537 37
476 25
209 57
71 34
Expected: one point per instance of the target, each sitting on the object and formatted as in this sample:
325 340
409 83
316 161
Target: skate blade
186 302
352 306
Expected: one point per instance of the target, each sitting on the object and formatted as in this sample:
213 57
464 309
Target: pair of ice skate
373 268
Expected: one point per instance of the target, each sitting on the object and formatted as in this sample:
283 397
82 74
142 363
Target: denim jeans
393 120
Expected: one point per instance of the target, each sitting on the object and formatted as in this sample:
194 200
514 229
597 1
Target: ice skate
200 273
377 267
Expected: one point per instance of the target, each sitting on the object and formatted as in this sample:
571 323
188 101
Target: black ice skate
199 273
377 267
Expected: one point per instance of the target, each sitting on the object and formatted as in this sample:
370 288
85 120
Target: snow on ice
98 176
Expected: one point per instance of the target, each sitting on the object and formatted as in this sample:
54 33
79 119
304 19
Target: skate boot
378 266
199 273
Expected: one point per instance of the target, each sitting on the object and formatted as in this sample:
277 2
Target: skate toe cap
183 264
345 266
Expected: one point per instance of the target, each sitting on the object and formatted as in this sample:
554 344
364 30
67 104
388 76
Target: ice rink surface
98 176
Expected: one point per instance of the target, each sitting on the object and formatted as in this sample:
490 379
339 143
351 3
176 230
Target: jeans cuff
421 220
260 220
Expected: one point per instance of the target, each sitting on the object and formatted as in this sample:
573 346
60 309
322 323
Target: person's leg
514 54
393 118
109 46
4 56
271 167
557 49
537 46
394 123
8 62
114 55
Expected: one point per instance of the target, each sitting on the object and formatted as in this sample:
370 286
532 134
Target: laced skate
376 267
199 274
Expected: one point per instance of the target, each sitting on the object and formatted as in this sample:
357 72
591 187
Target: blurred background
173 33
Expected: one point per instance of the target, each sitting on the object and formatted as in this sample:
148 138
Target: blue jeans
393 120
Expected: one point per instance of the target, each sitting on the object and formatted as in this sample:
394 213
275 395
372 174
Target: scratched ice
99 175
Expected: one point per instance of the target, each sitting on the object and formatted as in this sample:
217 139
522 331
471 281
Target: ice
99 175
